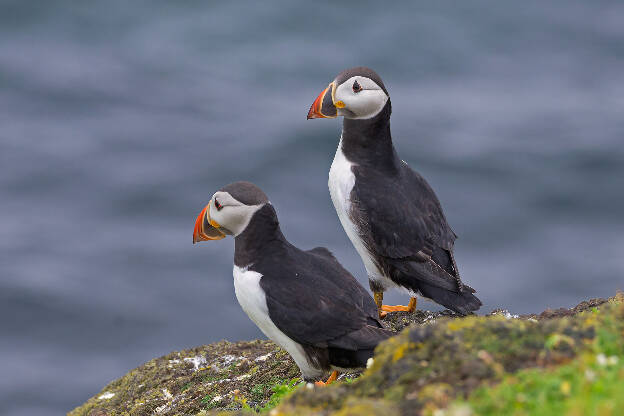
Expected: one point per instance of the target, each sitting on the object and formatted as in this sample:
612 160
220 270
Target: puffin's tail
354 349
463 303
437 280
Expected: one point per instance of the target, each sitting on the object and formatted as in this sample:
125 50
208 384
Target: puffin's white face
359 97
230 215
223 215
226 214
356 93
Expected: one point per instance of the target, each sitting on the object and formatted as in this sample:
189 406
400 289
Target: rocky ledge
565 361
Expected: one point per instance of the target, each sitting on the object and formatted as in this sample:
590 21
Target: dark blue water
118 120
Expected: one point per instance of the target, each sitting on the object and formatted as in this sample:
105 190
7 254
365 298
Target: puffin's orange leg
330 380
379 301
411 307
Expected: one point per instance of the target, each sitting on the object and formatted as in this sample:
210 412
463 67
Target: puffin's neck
262 233
368 142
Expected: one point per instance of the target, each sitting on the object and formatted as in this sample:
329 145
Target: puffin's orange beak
324 106
206 228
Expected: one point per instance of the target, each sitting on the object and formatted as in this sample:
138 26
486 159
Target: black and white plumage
305 301
390 213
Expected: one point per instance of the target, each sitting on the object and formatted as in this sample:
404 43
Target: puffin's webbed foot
330 380
411 307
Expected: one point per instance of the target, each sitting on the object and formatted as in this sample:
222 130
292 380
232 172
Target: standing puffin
390 213
305 301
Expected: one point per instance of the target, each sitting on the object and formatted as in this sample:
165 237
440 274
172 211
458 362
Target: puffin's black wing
316 302
402 212
403 225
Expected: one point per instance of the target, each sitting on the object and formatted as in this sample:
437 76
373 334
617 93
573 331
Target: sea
118 121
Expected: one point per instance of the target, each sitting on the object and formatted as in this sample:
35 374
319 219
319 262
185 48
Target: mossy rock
186 382
219 376
434 366
434 369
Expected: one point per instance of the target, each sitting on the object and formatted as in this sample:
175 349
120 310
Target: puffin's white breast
341 182
252 299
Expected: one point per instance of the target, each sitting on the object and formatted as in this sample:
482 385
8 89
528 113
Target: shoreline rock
425 367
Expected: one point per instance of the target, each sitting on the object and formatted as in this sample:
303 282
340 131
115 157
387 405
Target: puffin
303 300
390 213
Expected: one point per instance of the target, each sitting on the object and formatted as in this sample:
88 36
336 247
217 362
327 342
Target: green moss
258 391
582 387
280 391
591 384
559 361
208 401
186 382
426 368
277 391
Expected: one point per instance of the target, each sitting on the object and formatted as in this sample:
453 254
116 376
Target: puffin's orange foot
411 307
395 308
330 380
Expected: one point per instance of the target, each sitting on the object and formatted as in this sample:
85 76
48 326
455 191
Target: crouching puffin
390 213
305 301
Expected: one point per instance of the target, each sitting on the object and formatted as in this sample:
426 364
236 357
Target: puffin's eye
356 87
217 205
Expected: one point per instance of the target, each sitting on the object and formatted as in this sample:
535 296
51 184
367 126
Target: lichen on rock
438 365
427 368
214 376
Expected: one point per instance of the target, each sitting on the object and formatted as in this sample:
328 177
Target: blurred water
118 120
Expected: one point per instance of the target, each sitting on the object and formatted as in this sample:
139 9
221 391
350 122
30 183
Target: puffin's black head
229 211
356 93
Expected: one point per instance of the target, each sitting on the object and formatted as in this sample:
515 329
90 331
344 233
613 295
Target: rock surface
186 382
433 367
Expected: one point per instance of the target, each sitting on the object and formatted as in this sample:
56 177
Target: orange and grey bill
323 106
205 228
